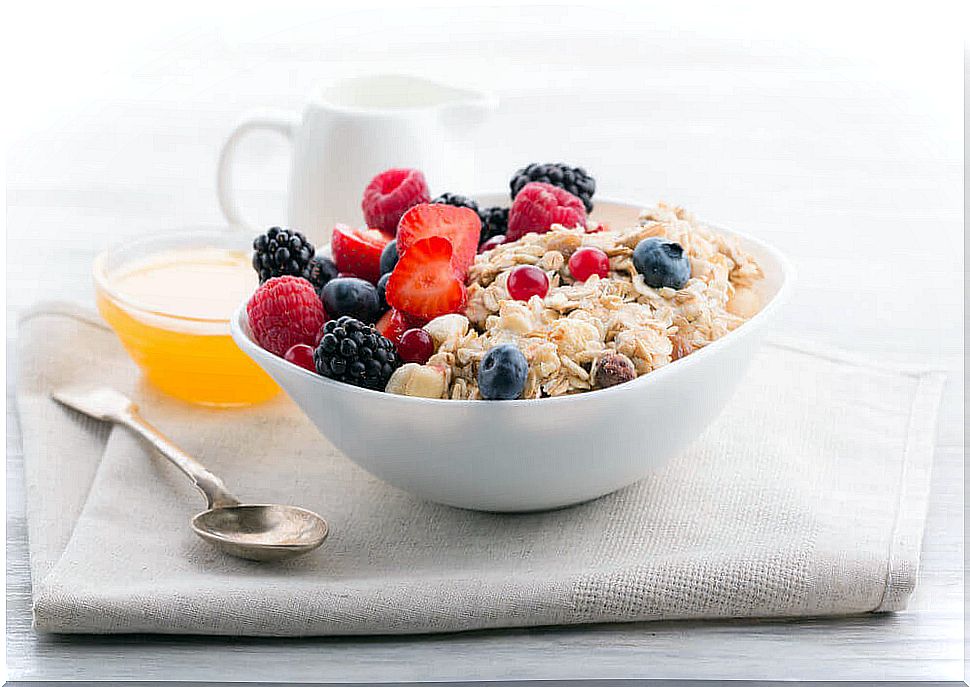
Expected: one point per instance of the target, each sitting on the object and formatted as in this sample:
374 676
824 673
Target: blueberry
502 373
382 290
662 263
389 257
351 296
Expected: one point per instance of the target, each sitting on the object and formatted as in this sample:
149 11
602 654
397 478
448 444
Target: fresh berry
415 346
302 355
351 296
611 369
320 270
283 312
281 252
460 226
382 291
388 257
389 195
538 206
575 180
502 373
394 323
493 242
526 281
587 261
424 283
358 251
456 200
662 263
353 352
495 221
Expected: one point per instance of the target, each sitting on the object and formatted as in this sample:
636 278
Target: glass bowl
169 298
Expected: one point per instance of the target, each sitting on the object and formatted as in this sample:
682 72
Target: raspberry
538 206
283 312
390 194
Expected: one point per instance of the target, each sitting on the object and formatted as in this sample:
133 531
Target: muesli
554 303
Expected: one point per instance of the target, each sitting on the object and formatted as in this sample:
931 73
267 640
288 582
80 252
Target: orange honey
169 300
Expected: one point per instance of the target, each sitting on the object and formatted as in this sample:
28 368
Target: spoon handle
212 488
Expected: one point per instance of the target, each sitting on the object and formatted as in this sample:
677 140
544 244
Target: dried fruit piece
611 369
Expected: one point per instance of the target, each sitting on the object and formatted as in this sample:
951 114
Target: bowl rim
758 320
102 281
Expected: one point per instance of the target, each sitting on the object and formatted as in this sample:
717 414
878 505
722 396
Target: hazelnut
611 369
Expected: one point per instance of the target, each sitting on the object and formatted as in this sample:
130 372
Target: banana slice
423 381
447 327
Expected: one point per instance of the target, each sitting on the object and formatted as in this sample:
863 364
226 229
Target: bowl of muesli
530 395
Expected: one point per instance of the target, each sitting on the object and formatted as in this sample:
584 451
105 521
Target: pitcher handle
283 123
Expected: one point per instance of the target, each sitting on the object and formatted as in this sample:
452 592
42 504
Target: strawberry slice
460 226
423 283
393 323
358 251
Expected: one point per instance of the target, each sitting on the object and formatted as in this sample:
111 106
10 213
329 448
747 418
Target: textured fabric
806 497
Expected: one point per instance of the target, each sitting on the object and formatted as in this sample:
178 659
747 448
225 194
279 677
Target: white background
810 126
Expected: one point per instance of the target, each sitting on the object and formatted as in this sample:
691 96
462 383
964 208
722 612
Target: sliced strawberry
423 283
393 323
358 251
460 226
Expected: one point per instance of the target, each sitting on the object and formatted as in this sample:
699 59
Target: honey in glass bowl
169 299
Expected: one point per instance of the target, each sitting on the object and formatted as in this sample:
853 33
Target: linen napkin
805 497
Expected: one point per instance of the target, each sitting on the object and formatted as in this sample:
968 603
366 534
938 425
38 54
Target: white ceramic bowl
530 455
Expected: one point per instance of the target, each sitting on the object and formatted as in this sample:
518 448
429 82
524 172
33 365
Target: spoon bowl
261 532
257 532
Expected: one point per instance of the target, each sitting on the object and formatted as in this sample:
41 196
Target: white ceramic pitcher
354 129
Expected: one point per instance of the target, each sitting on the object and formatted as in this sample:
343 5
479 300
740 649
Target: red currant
586 262
301 355
491 243
526 281
415 346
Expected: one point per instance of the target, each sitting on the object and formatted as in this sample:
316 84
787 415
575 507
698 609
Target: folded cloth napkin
806 497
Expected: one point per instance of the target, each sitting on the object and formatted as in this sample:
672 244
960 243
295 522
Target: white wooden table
855 176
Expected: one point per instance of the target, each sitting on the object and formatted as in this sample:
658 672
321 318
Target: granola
564 335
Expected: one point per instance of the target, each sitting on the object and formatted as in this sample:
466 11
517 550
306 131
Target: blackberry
279 252
355 353
319 271
572 179
495 221
456 200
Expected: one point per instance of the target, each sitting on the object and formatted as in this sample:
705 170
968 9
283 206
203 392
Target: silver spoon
256 532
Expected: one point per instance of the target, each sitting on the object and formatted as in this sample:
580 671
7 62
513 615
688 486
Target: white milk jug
354 129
